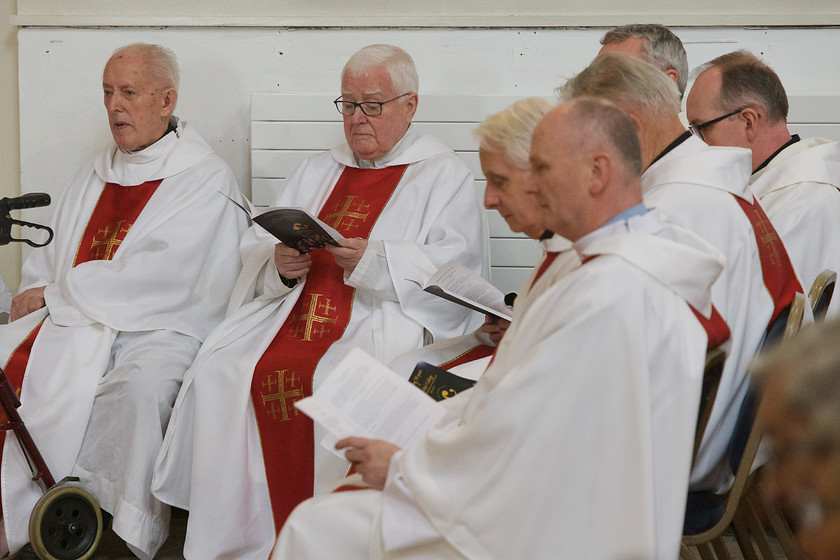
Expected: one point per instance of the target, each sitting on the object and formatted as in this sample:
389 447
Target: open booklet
362 397
455 282
295 227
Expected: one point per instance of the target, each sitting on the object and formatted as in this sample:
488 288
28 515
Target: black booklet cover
437 382
295 227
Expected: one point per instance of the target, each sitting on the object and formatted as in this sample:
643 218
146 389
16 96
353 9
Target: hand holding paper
363 398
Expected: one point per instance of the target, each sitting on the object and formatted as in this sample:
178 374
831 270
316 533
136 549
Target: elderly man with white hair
404 202
705 190
111 314
504 143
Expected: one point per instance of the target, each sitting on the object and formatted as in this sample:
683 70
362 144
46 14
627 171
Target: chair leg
721 549
753 511
686 553
780 525
740 526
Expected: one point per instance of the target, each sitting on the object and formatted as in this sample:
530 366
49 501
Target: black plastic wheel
66 524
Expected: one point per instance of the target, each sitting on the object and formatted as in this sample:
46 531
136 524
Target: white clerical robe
800 189
696 186
167 285
575 443
211 460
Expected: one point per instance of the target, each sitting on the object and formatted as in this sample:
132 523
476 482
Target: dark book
437 382
294 227
298 229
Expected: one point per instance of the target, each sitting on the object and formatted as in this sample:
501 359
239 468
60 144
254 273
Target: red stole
776 269
284 373
112 217
115 212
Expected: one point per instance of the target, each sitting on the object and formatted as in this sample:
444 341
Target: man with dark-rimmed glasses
404 203
796 179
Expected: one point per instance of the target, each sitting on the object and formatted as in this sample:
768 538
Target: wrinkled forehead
126 68
373 81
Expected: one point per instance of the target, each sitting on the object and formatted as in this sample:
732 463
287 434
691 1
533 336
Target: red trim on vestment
776 269
116 211
474 353
284 373
717 331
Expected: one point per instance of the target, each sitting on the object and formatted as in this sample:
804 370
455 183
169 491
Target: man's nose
359 116
491 199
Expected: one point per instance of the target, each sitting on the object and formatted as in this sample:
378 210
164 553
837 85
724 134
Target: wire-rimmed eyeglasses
696 129
369 108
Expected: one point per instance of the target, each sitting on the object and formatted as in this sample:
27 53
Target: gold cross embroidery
104 247
277 402
768 236
347 211
305 321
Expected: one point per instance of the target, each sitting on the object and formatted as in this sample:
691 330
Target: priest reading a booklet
404 203
565 447
111 313
504 142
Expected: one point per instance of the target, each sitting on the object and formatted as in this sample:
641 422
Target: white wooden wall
62 121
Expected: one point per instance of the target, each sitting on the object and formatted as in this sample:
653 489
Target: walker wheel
66 524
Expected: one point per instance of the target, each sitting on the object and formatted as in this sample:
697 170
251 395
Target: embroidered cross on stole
115 212
779 277
285 371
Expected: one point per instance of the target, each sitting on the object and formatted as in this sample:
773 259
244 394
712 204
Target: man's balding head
586 161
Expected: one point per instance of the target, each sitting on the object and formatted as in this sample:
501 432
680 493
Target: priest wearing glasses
403 202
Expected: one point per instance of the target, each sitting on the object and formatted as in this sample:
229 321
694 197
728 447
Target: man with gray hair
705 190
653 43
111 313
737 100
556 452
404 203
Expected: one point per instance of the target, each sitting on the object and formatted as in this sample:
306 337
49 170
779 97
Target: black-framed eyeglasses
369 108
696 129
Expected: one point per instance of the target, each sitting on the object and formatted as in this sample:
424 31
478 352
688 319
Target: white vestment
799 190
575 443
443 351
118 334
211 461
694 184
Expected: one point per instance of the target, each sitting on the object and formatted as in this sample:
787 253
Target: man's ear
170 98
752 119
600 174
673 74
411 105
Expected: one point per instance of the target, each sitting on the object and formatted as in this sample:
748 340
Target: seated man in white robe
705 190
405 203
737 100
565 447
504 144
111 313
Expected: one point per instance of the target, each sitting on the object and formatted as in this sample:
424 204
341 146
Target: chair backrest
288 128
715 359
746 436
819 296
